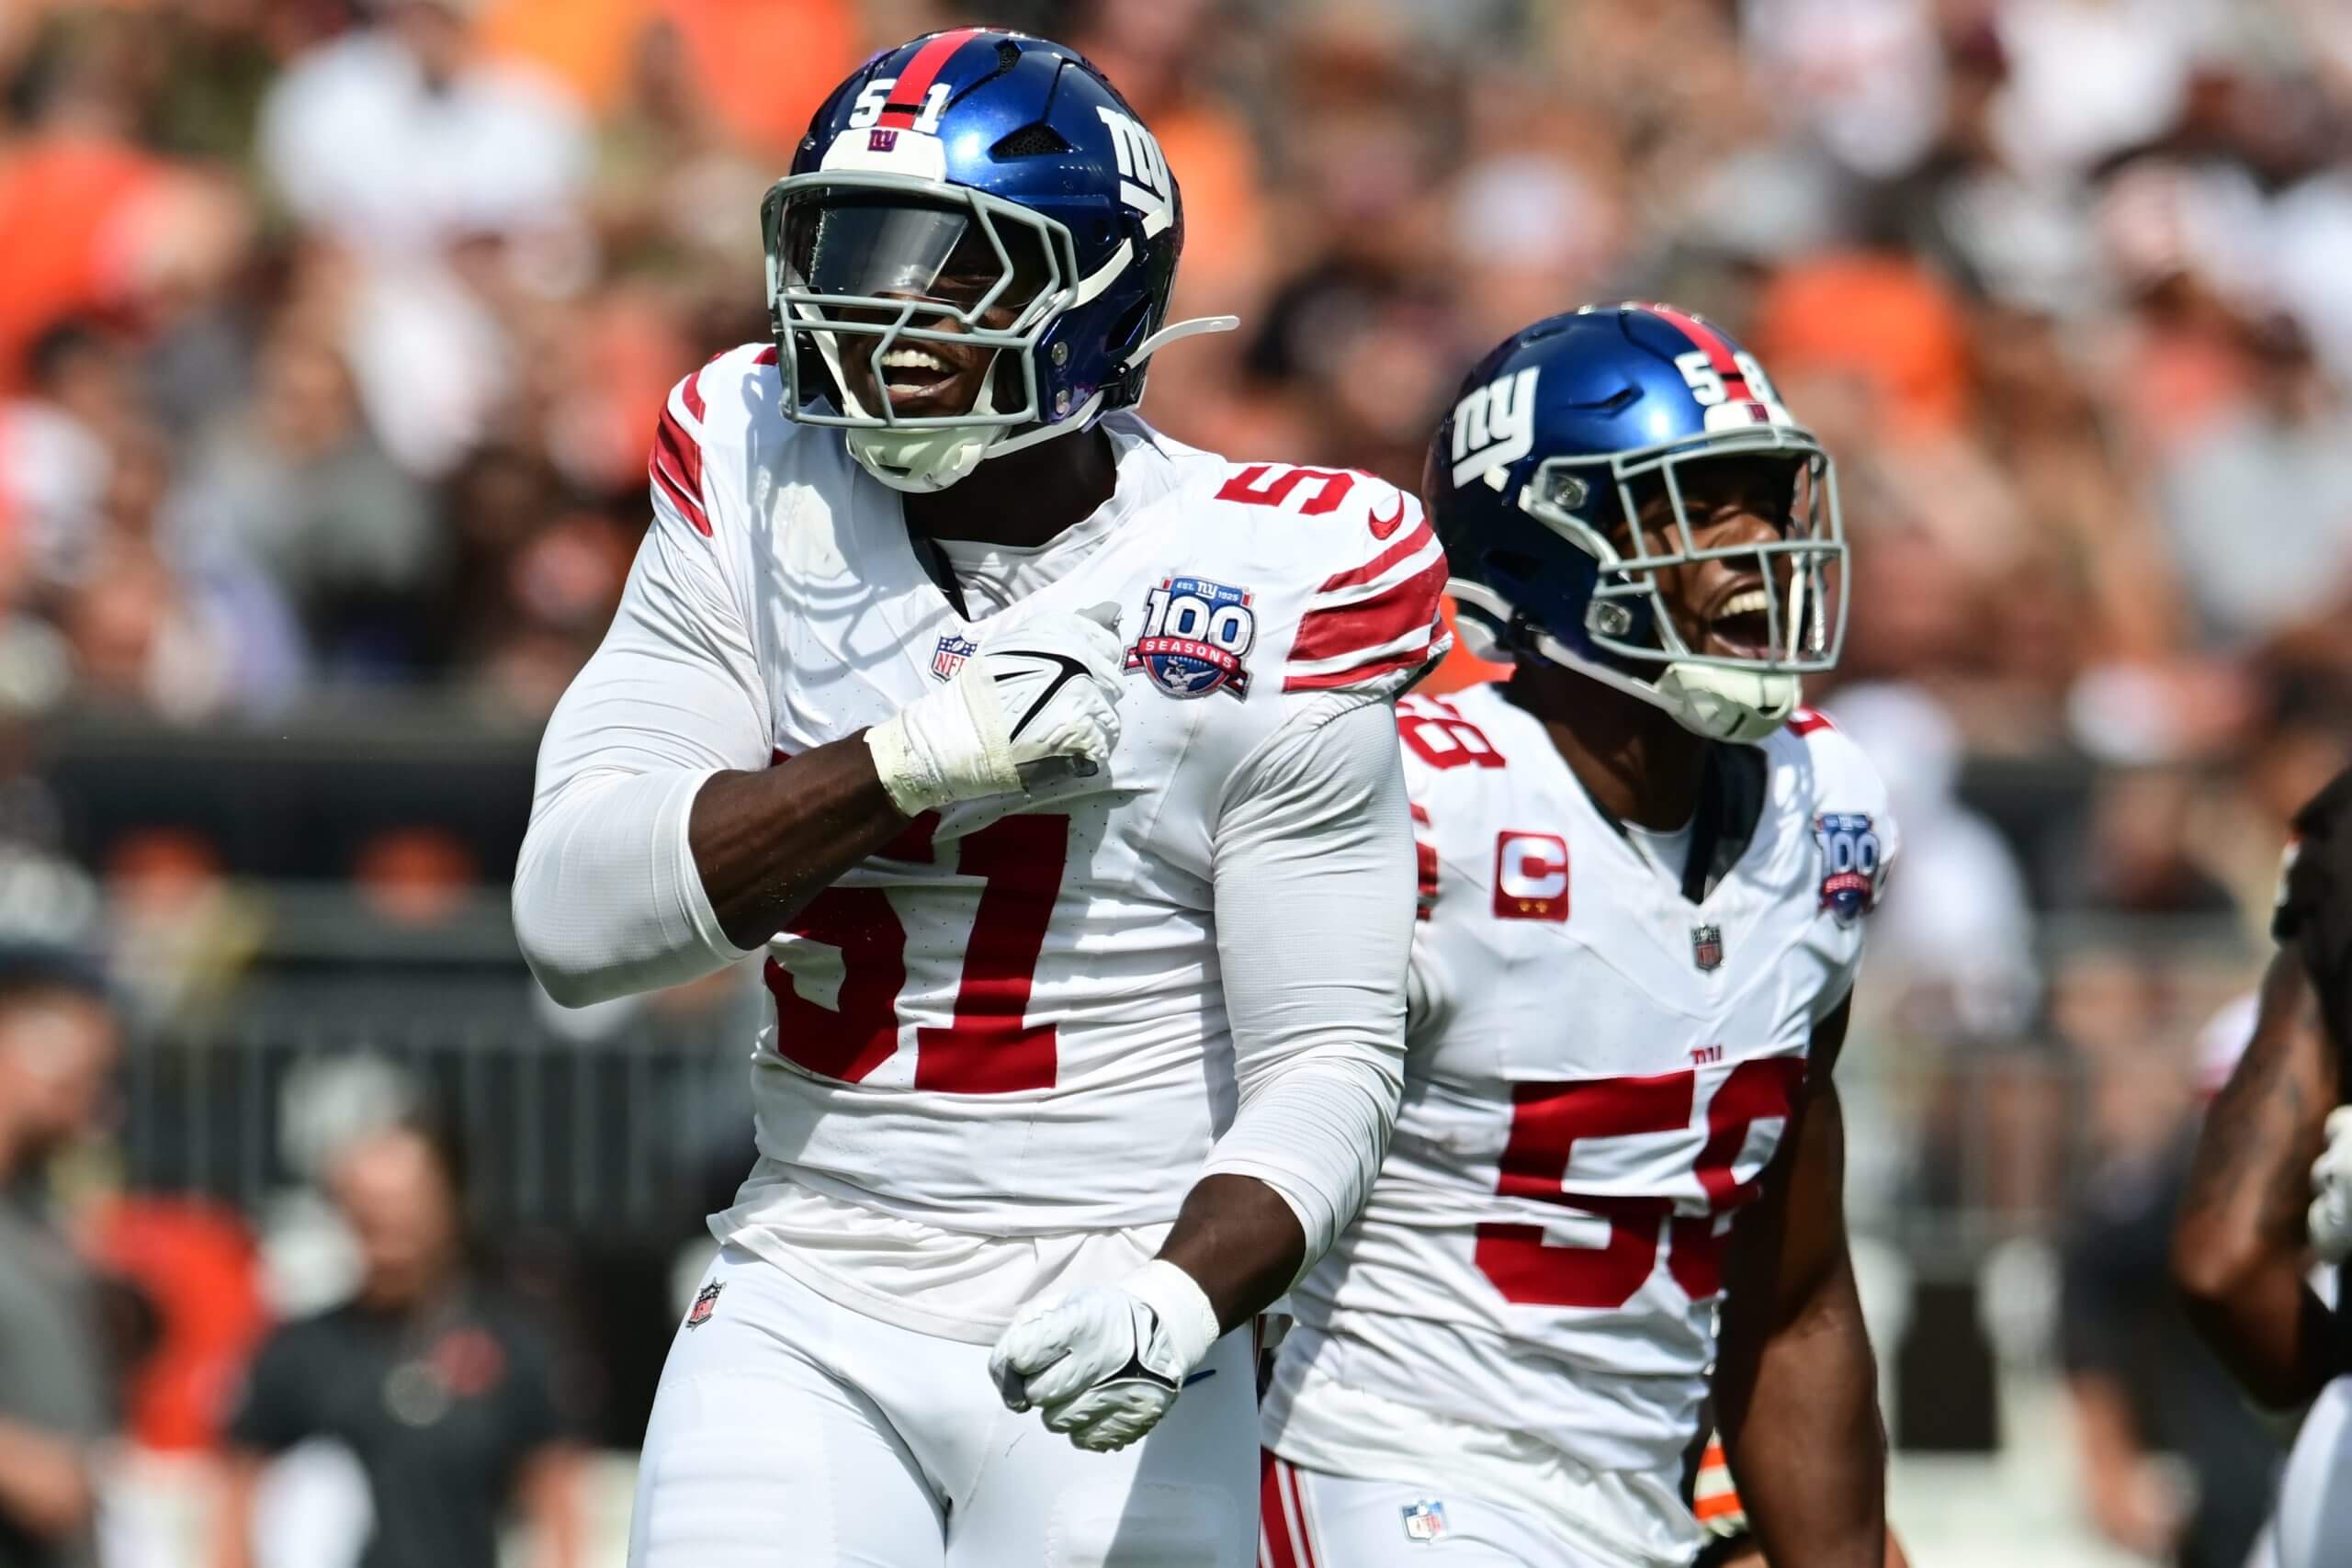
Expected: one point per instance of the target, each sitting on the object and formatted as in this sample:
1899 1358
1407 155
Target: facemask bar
798 314
1805 630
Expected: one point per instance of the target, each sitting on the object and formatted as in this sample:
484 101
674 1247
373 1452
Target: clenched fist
1105 1362
1040 702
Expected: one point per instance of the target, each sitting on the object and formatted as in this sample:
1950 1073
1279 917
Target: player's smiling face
1719 605
927 377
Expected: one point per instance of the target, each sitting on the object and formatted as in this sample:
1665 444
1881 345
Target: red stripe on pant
907 92
1283 1540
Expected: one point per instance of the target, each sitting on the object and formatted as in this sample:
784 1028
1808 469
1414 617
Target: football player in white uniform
2271 1189
1645 874
1051 764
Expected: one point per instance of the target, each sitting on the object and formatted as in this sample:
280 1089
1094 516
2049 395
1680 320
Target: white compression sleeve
607 899
1315 921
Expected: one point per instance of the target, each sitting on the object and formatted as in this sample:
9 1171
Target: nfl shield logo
705 1302
1707 946
1424 1521
949 656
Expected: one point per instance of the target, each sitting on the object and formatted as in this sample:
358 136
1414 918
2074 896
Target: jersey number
1443 738
990 1048
1546 1120
1251 487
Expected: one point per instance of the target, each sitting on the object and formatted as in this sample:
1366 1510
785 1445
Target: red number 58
1546 1121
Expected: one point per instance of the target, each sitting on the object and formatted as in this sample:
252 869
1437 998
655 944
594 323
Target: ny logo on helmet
1493 428
1143 171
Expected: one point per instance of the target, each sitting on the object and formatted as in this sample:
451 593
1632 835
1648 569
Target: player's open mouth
1742 624
910 374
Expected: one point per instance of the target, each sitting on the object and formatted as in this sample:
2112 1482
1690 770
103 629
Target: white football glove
1105 1362
2330 1215
1039 703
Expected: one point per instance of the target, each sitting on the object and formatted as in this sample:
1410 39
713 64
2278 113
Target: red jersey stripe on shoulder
675 465
1333 630
673 441
686 504
1403 550
1805 721
767 356
913 85
1426 653
690 393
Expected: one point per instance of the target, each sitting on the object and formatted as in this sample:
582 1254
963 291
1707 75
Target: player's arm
660 841
1314 891
663 844
1315 901
2238 1255
1796 1388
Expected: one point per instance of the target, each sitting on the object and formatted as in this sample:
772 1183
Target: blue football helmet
1533 480
975 207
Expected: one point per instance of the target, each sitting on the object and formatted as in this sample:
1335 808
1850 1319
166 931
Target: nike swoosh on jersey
1383 526
1071 670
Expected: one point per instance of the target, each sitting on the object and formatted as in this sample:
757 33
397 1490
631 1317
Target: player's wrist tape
943 747
1186 1318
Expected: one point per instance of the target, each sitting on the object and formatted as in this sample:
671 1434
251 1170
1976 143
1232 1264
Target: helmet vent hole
1036 140
1008 55
1128 331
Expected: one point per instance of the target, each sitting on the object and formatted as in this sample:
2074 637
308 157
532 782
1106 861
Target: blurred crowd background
332 333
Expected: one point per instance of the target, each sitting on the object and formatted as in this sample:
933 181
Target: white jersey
1599 1072
1012 1023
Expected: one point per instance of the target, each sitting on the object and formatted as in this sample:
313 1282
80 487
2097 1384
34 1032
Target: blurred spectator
1954 921
298 490
399 138
442 1390
2139 855
57 1047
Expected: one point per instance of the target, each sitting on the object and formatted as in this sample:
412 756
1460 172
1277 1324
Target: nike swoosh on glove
1039 703
2330 1215
1105 1362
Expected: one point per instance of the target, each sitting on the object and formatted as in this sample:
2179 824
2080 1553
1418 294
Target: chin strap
934 457
1740 707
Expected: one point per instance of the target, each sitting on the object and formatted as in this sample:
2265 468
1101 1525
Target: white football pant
2313 1528
792 1433
1310 1519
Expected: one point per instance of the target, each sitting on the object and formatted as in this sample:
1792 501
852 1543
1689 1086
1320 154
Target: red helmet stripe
913 85
1718 352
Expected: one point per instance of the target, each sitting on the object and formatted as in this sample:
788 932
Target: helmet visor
909 297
